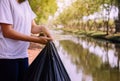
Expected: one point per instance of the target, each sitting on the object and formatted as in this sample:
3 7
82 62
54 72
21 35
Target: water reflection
87 59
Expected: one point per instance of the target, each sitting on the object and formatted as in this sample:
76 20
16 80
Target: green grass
115 38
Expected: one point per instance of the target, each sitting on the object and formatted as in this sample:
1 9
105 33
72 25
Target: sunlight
62 4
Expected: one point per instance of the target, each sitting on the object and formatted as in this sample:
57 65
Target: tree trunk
117 22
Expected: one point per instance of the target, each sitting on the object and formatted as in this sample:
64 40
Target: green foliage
43 9
72 16
79 9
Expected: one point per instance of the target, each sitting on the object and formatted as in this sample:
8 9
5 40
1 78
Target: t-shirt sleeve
33 15
5 12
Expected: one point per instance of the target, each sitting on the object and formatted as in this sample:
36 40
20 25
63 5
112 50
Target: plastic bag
47 66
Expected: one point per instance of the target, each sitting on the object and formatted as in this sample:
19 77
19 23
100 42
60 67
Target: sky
103 13
63 4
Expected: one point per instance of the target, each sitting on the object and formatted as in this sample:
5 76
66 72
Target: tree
117 21
77 10
84 8
43 9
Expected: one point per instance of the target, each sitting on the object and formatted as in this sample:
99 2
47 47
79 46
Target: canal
88 59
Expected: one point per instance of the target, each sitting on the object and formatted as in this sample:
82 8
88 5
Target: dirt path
33 51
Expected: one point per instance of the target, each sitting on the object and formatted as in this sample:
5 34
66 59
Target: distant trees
117 21
76 16
43 9
80 14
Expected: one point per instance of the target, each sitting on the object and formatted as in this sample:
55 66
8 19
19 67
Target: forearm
12 34
9 32
36 29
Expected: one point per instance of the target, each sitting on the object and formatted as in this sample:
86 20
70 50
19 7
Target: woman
16 25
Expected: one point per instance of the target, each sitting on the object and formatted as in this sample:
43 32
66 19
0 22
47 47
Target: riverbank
33 51
114 38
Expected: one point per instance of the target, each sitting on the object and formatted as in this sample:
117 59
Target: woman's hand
9 32
38 29
44 40
45 32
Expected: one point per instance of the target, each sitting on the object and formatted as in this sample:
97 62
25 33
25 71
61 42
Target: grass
114 38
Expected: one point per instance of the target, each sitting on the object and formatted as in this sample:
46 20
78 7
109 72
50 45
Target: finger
45 42
49 39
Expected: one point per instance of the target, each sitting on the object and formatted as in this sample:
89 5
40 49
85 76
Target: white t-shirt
20 16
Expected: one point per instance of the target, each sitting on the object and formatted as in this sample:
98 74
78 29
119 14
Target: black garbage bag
47 66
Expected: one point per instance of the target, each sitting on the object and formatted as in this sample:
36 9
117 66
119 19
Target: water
87 59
